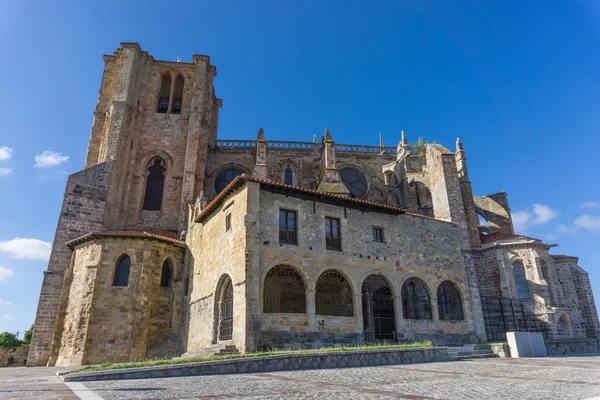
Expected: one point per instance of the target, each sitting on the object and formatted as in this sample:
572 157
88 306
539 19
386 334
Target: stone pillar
260 165
171 92
358 312
398 316
330 181
311 310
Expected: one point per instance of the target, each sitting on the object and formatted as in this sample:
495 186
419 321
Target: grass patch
174 361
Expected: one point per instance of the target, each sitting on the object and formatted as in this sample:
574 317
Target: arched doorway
378 309
225 310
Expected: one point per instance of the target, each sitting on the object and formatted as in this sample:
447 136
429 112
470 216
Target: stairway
471 352
214 350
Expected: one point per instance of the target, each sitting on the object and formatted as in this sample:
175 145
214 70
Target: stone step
475 357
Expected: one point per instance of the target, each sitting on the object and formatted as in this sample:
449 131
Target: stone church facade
173 242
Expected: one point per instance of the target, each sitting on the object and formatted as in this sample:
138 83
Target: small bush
8 339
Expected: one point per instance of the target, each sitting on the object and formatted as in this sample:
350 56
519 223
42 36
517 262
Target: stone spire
260 165
403 148
330 181
459 146
381 146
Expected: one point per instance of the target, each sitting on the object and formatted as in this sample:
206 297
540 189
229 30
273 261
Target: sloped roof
290 190
493 237
562 257
164 236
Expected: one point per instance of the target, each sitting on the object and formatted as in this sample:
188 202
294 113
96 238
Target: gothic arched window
333 295
165 277
289 176
521 283
355 181
164 94
449 302
177 95
415 300
225 177
121 277
155 182
284 291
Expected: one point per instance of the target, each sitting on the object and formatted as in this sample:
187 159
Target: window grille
284 291
226 312
155 182
287 227
333 295
415 300
449 302
165 277
121 277
377 234
333 240
379 320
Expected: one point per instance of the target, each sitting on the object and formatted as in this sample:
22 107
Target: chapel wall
214 254
585 297
124 321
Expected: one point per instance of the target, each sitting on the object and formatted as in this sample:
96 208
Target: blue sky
518 82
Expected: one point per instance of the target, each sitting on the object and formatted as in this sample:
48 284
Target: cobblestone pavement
488 379
548 378
33 383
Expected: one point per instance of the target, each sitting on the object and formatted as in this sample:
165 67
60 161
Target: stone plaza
491 379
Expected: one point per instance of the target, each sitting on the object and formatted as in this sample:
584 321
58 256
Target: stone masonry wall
414 247
585 298
82 211
216 253
104 323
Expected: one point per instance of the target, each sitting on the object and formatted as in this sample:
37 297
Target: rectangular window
187 287
287 227
333 239
377 234
228 222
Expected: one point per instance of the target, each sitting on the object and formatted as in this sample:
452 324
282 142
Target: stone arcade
172 242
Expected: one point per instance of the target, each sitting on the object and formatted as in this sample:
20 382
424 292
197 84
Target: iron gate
226 320
503 315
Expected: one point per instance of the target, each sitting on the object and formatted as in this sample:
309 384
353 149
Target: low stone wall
14 356
556 348
306 340
286 362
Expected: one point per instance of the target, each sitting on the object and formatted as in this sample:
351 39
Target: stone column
358 312
171 93
311 310
398 316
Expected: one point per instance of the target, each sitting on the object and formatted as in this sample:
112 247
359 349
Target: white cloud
565 229
590 204
6 274
49 159
8 316
588 221
6 303
521 220
33 249
540 214
5 171
543 214
5 153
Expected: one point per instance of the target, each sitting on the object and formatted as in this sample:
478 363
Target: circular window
225 177
355 181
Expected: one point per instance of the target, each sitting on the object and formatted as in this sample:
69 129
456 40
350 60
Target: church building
174 242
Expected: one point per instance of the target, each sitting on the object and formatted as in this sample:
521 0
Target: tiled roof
493 237
165 236
290 191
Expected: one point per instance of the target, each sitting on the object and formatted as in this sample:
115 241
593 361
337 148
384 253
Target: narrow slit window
227 222
289 176
377 234
121 277
177 96
163 95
